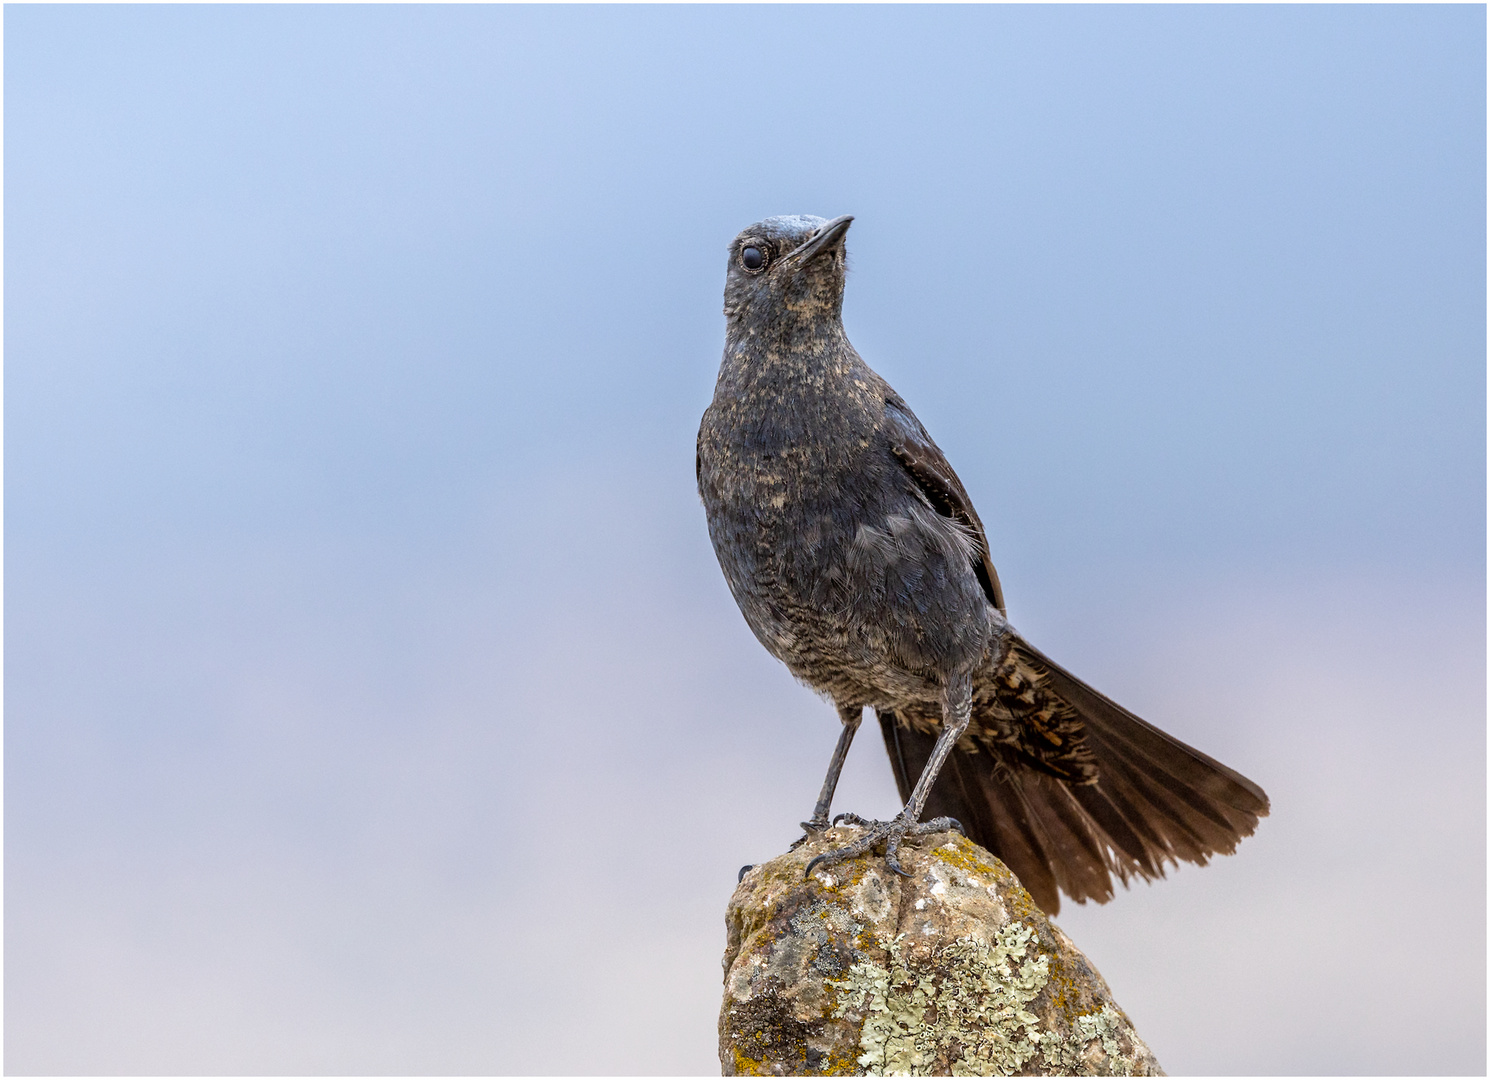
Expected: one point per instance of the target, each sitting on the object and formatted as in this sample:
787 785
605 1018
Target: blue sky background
373 699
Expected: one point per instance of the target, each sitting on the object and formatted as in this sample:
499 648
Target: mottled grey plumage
858 560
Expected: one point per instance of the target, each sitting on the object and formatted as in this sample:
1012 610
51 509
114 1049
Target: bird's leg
850 715
957 712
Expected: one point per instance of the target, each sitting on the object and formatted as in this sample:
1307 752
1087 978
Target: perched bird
858 560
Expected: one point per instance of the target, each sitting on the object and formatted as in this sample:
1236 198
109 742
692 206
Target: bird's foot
890 833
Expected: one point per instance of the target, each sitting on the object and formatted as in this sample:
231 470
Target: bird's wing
932 472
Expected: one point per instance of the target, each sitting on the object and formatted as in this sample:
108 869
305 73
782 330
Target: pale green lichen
976 992
1069 1056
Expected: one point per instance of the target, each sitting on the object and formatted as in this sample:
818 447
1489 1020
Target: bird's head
787 268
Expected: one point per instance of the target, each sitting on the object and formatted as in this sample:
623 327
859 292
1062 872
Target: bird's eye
753 258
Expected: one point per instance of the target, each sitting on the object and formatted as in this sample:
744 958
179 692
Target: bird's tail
1154 799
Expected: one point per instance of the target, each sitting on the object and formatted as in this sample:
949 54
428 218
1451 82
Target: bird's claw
942 824
810 828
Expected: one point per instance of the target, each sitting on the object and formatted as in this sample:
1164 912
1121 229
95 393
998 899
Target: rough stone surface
951 971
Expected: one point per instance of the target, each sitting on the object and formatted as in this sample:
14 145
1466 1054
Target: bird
857 559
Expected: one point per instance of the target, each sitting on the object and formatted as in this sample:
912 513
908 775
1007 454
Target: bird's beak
821 241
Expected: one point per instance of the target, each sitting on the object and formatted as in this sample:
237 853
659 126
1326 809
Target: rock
953 970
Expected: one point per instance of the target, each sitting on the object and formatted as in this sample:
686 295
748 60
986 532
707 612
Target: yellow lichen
964 857
746 1066
964 854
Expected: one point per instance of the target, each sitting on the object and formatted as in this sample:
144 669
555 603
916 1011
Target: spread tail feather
1155 800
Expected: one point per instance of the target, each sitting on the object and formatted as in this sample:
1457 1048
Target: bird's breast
780 469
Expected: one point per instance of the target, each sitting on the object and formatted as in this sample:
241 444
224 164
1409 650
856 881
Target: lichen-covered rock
951 971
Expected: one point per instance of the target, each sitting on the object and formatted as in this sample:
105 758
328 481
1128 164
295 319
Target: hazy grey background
374 702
